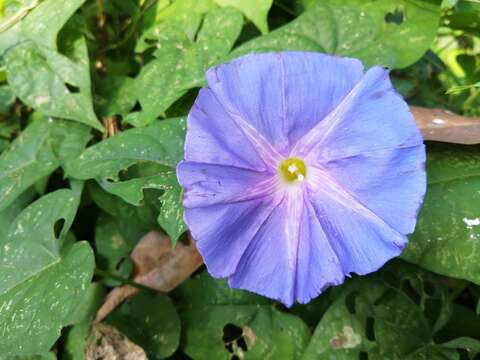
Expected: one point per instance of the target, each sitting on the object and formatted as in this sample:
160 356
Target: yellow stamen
293 170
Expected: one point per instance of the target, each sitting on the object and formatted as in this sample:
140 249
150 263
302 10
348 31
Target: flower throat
292 170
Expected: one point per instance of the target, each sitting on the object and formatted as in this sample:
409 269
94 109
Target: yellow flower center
292 170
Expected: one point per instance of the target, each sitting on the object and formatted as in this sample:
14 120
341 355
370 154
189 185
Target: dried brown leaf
445 126
157 266
107 343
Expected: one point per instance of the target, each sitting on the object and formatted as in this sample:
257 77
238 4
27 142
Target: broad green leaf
76 339
466 17
76 342
219 323
448 4
389 315
51 82
42 280
180 63
143 215
189 13
473 345
3 144
9 128
446 239
255 10
7 98
35 20
115 237
131 191
47 356
13 12
47 19
8 215
41 20
390 33
41 148
29 159
115 95
92 299
160 143
151 321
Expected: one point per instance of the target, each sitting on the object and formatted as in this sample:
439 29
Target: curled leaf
108 343
157 266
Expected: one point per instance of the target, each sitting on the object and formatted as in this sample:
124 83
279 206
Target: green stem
474 93
284 8
101 13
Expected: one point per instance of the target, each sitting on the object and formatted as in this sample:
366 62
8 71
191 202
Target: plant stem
284 8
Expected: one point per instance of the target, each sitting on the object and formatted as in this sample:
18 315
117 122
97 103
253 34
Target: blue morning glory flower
300 168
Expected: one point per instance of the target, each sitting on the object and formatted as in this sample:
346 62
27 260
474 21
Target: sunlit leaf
448 228
160 143
42 147
393 34
42 280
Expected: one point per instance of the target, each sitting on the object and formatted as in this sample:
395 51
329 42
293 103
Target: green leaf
171 216
466 17
393 34
8 215
448 228
42 147
47 356
13 13
91 302
393 314
7 98
76 339
41 21
115 95
143 215
160 143
187 13
51 82
254 10
219 323
115 237
76 342
42 280
463 343
180 63
151 321
82 317
44 23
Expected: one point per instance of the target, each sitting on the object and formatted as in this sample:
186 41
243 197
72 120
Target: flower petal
362 240
223 232
371 117
283 95
207 184
214 138
318 267
290 257
393 187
